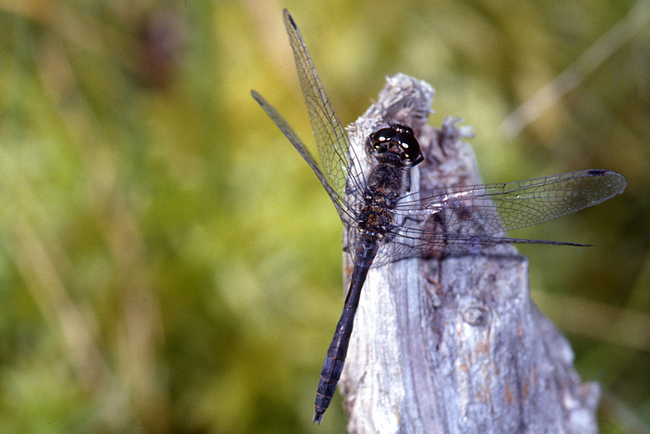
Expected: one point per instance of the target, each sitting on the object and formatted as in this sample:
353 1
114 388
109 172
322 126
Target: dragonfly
373 203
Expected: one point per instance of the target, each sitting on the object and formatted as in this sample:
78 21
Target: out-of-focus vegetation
168 263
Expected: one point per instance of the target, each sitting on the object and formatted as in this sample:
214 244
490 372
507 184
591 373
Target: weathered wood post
454 344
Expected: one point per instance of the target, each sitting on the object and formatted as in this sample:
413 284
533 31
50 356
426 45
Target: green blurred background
169 264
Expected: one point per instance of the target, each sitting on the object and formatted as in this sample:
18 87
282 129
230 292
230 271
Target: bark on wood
454 344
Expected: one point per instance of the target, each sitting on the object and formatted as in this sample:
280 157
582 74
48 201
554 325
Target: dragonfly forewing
331 140
514 205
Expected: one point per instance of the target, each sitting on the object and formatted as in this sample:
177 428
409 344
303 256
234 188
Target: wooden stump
454 344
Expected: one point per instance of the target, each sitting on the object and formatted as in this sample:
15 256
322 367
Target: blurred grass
169 264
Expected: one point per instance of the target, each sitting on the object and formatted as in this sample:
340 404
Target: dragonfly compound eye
409 144
381 139
397 139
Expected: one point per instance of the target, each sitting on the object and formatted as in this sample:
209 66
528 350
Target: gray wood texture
454 344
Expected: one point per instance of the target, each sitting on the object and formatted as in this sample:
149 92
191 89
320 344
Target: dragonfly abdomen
364 254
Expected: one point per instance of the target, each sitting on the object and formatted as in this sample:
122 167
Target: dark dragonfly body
371 194
395 149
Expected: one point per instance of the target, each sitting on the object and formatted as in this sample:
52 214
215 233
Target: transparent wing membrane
341 206
331 140
515 205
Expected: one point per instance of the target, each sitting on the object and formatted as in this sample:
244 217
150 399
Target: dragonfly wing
340 204
470 218
331 140
503 207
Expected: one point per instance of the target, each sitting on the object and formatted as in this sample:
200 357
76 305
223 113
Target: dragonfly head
396 142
